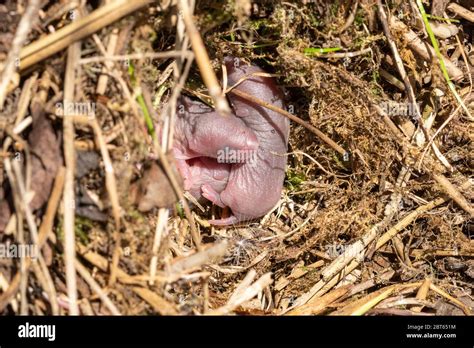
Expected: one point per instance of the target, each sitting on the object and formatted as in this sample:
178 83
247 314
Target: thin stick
461 11
135 56
27 20
104 78
30 220
109 172
244 293
111 186
408 87
96 288
458 303
69 195
20 236
161 228
454 193
64 37
351 261
44 277
292 117
44 230
351 17
203 61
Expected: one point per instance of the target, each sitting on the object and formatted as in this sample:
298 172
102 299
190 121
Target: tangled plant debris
375 217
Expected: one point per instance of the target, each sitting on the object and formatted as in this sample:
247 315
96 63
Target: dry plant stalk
461 11
27 20
104 78
70 162
44 230
423 49
363 305
203 61
96 288
111 187
422 294
292 117
160 232
351 262
467 310
158 303
318 305
244 292
408 87
200 258
64 37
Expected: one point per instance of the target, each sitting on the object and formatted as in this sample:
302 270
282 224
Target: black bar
241 330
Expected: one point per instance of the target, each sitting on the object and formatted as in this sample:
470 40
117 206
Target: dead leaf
153 190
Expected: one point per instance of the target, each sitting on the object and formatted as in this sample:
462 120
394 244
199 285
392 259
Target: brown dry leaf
46 157
153 190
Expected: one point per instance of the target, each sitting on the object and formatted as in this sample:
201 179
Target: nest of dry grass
378 224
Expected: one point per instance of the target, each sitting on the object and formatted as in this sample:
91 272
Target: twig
423 49
104 78
73 54
454 193
42 274
64 37
351 17
408 88
244 292
26 22
111 187
159 304
342 55
202 59
461 11
317 305
292 117
465 309
135 56
23 274
350 259
44 230
96 288
422 294
361 306
200 258
24 204
391 79
161 228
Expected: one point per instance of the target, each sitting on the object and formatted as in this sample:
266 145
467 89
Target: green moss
359 17
82 228
180 210
294 179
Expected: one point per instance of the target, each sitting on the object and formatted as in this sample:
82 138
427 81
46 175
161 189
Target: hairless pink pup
236 161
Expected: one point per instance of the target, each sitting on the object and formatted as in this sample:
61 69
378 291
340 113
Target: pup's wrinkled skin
201 135
254 188
249 188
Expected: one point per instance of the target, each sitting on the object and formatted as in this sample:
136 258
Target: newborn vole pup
254 187
236 161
